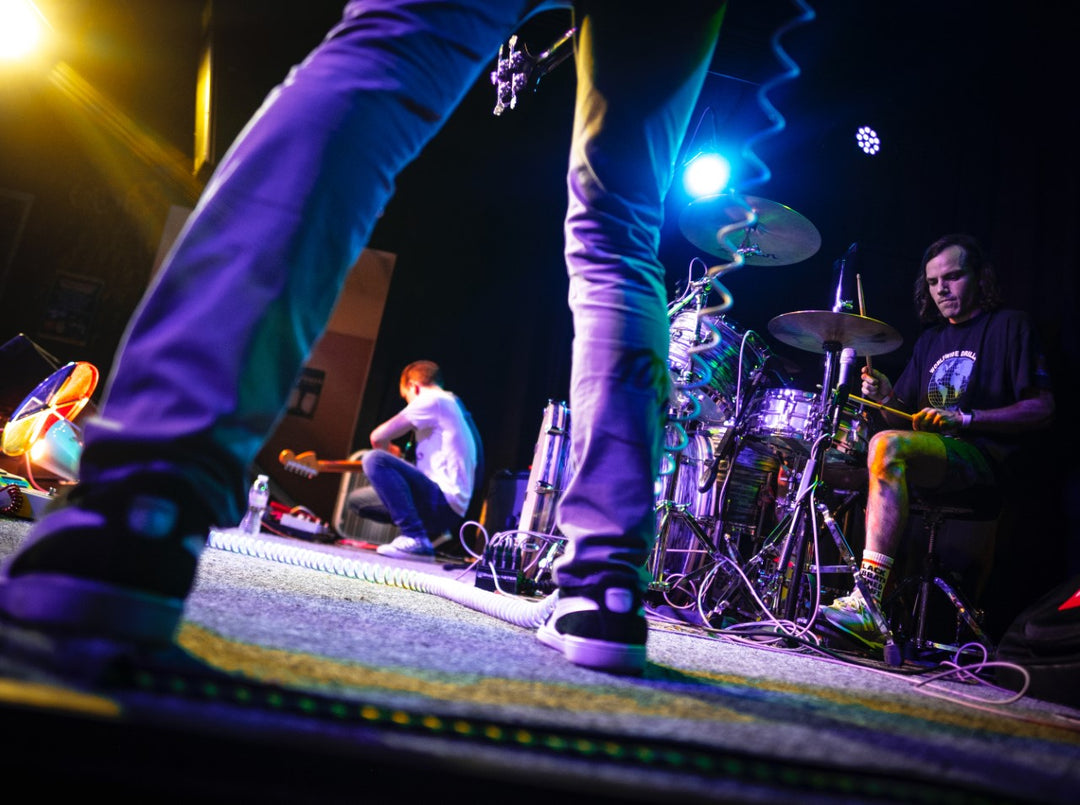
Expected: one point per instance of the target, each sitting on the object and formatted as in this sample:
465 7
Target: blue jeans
402 495
208 361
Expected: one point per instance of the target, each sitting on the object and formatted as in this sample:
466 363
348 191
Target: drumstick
862 310
879 406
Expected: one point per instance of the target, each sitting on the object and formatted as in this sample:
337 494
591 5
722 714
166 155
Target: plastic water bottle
258 500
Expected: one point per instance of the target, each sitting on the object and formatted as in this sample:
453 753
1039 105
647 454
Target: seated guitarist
429 499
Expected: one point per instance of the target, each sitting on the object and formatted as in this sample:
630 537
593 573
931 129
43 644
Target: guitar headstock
517 70
511 74
306 464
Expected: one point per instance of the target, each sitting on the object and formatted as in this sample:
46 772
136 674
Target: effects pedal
307 527
519 563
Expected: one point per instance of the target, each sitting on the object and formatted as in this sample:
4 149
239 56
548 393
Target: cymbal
780 237
818 330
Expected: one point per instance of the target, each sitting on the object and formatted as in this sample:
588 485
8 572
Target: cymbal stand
657 566
792 563
710 539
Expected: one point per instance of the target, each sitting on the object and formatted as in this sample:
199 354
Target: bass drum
748 494
710 502
711 363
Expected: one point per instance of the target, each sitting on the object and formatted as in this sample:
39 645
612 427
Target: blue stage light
706 174
868 140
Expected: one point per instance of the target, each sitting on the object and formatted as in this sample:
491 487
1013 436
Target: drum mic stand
792 564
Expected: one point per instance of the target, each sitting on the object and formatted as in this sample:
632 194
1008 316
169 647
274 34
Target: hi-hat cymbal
780 237
824 330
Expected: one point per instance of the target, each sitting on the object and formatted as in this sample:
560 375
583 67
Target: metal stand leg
793 557
927 581
658 560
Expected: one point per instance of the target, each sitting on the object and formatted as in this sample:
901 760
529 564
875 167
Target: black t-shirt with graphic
988 361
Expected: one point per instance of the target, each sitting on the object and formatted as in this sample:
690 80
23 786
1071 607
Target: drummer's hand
875 386
936 420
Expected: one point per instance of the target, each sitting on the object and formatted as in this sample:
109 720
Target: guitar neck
339 466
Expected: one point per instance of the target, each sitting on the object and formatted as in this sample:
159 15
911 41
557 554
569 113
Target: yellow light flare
111 138
22 30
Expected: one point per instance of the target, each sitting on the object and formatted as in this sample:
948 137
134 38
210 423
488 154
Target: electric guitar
309 465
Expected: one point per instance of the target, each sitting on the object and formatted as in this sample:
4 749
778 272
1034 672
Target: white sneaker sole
599 655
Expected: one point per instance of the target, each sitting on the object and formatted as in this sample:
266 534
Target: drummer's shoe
851 616
602 628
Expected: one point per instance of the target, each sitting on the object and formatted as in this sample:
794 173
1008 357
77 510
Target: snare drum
709 366
789 420
783 418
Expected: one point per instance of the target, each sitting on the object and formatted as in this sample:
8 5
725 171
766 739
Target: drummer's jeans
216 345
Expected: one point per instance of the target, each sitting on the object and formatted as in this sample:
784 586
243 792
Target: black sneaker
602 628
101 568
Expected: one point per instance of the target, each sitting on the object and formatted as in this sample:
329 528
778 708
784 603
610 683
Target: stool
975 505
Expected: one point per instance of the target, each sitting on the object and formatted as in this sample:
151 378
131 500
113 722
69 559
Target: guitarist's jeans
402 495
207 362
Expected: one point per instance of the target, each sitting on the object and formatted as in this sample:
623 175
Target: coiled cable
517 611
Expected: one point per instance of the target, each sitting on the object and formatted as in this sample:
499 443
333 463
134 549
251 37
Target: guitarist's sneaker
408 548
603 628
114 567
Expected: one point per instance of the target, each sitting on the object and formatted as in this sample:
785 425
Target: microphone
847 360
840 398
841 303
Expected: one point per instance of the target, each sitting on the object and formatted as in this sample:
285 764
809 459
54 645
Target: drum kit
753 466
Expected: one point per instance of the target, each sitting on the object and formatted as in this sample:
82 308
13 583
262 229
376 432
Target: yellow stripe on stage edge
39 695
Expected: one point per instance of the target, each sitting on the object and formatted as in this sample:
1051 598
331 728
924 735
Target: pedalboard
519 563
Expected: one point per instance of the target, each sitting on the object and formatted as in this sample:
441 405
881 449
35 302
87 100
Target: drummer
978 386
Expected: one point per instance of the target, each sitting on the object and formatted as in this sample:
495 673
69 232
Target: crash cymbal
822 330
780 237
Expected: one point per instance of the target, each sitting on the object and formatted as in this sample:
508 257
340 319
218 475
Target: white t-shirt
445 449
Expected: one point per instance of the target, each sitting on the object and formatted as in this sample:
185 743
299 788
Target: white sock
874 571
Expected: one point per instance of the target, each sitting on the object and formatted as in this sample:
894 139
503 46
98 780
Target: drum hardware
684 505
839 336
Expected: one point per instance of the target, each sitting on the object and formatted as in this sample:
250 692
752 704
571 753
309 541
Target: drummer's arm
876 386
